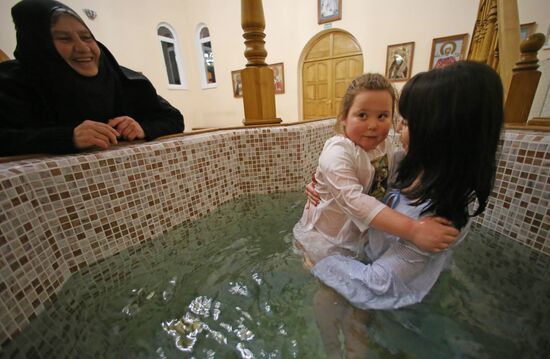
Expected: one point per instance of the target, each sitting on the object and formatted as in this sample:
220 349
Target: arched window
206 61
172 58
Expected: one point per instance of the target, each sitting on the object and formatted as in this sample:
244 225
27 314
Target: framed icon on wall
328 11
447 50
237 83
399 60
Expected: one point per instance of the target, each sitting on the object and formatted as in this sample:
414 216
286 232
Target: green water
230 286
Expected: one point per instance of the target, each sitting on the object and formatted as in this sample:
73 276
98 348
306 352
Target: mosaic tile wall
62 213
519 205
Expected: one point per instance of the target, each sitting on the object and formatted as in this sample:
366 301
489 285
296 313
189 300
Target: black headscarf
71 97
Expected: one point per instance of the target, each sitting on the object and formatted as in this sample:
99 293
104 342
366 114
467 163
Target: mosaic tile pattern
519 205
60 214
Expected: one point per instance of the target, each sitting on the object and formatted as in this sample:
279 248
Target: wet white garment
344 177
398 272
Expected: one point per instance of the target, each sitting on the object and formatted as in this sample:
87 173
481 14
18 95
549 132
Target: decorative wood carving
495 41
524 82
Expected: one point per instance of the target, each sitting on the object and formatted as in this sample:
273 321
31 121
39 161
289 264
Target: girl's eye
86 37
62 38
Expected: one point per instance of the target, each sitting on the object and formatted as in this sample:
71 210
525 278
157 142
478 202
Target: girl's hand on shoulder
128 128
434 234
92 133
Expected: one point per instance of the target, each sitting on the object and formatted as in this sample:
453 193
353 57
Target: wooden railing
257 77
525 80
3 56
496 42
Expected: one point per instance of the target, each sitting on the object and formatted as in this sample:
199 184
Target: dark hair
455 116
364 82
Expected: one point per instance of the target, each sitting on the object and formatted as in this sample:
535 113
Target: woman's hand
312 195
92 133
434 234
128 128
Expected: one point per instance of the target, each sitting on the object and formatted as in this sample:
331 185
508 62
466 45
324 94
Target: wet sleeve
365 286
401 276
339 169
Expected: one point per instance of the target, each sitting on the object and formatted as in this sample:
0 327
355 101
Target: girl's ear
340 125
343 121
343 118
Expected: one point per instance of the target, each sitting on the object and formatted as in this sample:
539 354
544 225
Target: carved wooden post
488 43
3 56
257 78
484 44
508 40
524 82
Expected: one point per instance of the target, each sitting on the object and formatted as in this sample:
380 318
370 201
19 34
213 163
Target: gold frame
278 83
406 50
336 15
527 29
237 83
236 80
451 41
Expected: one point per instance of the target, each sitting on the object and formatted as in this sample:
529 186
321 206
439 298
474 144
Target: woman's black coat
42 99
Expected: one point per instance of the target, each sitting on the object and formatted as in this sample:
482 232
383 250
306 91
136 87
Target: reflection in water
186 331
343 328
230 286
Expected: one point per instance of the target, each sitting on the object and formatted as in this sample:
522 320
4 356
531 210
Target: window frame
177 53
200 57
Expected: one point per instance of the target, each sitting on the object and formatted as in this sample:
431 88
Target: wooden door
345 69
317 96
332 60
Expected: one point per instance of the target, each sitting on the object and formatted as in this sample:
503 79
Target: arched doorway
330 60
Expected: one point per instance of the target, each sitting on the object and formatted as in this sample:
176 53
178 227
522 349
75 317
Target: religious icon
237 83
448 50
328 10
399 61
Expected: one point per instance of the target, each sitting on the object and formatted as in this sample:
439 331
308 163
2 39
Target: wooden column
257 77
484 44
524 81
3 56
508 39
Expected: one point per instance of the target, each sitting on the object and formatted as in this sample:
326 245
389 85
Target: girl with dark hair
352 178
452 119
65 92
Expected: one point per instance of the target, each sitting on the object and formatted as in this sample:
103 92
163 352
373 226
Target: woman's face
76 45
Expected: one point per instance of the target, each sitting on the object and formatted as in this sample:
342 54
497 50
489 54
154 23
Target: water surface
230 286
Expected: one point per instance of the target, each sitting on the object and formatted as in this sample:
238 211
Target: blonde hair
365 82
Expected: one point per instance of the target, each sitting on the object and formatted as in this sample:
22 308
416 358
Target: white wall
128 29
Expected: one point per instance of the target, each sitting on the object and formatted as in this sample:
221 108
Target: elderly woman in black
65 92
